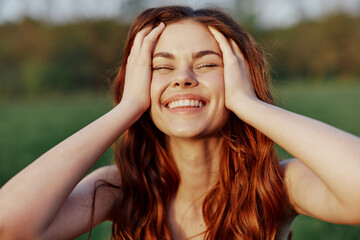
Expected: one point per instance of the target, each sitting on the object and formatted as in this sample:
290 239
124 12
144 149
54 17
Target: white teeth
186 103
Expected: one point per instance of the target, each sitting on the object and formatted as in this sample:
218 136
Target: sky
269 13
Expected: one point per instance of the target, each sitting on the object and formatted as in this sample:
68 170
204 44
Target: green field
29 127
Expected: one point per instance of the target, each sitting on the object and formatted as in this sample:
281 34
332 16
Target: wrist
136 103
132 107
253 110
240 102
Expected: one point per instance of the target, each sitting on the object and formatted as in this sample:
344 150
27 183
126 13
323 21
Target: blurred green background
55 77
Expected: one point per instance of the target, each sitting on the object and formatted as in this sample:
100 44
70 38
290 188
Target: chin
184 134
182 127
189 133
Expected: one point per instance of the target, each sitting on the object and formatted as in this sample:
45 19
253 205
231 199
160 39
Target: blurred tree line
315 50
36 57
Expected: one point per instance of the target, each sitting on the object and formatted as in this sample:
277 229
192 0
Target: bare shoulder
103 180
103 185
108 173
291 169
93 198
309 195
289 210
285 163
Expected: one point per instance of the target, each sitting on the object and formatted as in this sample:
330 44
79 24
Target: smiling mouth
186 103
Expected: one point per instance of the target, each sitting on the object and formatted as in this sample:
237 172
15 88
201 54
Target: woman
195 160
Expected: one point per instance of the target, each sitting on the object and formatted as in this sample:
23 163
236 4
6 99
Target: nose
185 79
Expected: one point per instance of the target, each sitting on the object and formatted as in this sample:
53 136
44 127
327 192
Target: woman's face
187 88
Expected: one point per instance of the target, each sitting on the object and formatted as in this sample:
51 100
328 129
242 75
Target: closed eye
206 65
163 68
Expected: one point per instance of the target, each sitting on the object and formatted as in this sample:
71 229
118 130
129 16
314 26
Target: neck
198 164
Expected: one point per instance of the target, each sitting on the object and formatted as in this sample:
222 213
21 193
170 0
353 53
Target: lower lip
186 109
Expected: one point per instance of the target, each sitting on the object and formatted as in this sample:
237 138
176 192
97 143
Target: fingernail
161 24
212 30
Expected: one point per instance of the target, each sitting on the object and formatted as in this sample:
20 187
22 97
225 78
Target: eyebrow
195 55
164 55
200 54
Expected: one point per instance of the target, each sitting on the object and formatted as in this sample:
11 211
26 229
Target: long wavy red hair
247 200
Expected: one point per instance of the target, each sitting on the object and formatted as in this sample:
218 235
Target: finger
139 38
223 43
236 49
152 36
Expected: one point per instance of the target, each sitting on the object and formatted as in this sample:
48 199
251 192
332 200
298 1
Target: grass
334 103
29 127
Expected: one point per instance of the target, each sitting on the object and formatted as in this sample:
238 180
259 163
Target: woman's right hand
138 68
60 205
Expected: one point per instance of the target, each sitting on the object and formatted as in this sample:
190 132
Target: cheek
220 81
157 86
215 81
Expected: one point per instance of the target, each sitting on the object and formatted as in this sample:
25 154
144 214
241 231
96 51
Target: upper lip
184 96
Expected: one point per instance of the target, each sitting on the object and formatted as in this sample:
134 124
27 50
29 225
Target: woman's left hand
237 79
323 183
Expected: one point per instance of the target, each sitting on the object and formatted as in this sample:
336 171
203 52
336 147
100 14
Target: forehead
186 36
